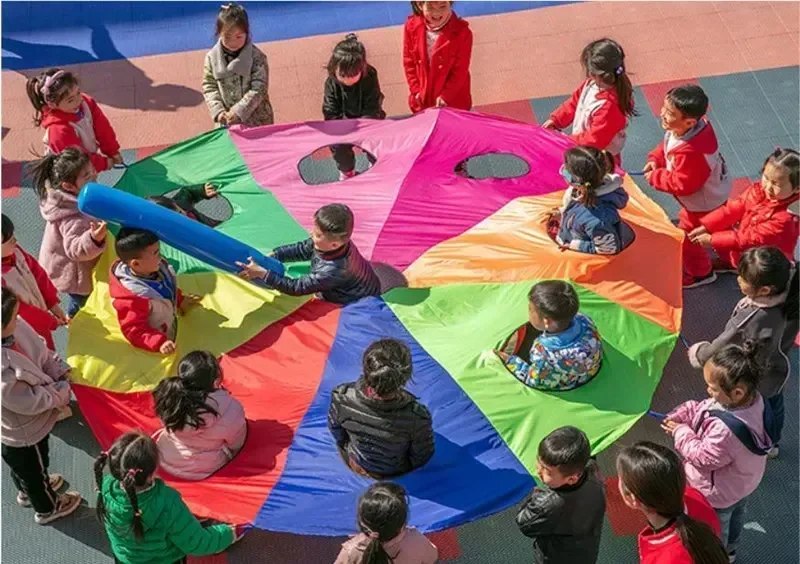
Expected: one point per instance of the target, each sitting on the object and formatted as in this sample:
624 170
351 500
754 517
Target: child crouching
144 291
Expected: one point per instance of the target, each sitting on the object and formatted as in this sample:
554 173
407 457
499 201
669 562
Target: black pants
29 473
345 157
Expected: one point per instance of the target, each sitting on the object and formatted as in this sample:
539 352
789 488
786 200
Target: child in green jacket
146 521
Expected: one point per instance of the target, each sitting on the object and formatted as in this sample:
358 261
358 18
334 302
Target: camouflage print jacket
240 86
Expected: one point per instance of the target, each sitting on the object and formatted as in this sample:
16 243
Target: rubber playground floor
143 63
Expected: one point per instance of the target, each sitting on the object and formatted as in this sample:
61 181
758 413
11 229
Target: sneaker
774 452
689 282
64 413
346 175
67 503
732 556
56 481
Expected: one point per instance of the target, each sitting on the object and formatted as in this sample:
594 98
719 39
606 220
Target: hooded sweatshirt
692 169
752 220
170 530
88 129
762 320
146 306
195 454
409 547
595 230
24 276
596 118
715 460
68 253
33 387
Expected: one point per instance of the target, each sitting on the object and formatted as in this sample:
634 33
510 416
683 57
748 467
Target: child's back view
380 428
565 518
204 425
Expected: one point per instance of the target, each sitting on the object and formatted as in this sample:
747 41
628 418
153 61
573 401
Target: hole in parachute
193 202
493 165
334 163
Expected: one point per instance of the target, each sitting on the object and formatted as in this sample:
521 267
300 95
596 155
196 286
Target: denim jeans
74 303
776 404
731 522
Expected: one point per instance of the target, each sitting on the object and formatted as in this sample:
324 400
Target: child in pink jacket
723 440
382 518
72 242
204 425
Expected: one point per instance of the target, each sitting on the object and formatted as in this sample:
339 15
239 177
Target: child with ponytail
599 109
72 118
146 520
724 440
204 425
384 536
682 527
768 311
72 242
588 220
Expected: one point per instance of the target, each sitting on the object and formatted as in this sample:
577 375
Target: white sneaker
774 452
731 556
67 503
56 481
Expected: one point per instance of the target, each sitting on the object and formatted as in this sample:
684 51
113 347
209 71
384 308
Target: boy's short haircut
690 100
335 221
566 448
387 366
131 242
556 300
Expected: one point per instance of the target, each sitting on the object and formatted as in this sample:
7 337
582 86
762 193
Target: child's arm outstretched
188 535
688 175
563 115
700 352
295 252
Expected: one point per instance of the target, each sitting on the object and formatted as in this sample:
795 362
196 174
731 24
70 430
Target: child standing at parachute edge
236 74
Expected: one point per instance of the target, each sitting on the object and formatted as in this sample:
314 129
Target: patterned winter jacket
561 361
239 85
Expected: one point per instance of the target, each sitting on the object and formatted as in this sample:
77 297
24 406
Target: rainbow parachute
469 250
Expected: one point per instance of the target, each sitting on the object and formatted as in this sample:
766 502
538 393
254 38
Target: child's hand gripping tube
177 230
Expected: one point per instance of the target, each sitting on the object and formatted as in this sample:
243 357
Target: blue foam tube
177 230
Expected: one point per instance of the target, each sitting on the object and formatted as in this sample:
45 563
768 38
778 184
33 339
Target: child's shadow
163 97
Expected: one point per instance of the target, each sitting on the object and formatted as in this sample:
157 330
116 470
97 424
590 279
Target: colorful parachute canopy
470 250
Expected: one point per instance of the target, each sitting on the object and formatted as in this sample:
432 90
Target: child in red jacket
71 118
759 217
689 165
437 47
599 109
38 298
682 526
144 291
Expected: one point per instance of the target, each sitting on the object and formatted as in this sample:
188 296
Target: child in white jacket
204 425
33 391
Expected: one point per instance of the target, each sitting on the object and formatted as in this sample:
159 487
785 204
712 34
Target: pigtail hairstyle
50 87
654 475
54 169
605 58
181 401
231 15
739 366
132 460
588 166
387 366
789 161
349 57
382 514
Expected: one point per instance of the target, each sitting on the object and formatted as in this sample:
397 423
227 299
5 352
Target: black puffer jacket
565 523
385 437
361 100
341 276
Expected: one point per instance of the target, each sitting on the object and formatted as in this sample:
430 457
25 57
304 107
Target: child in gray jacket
33 391
770 286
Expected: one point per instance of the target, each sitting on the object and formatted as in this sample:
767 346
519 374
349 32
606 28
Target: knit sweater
170 530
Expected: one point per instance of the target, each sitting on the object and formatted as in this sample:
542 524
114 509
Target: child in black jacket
381 430
565 518
339 273
352 91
